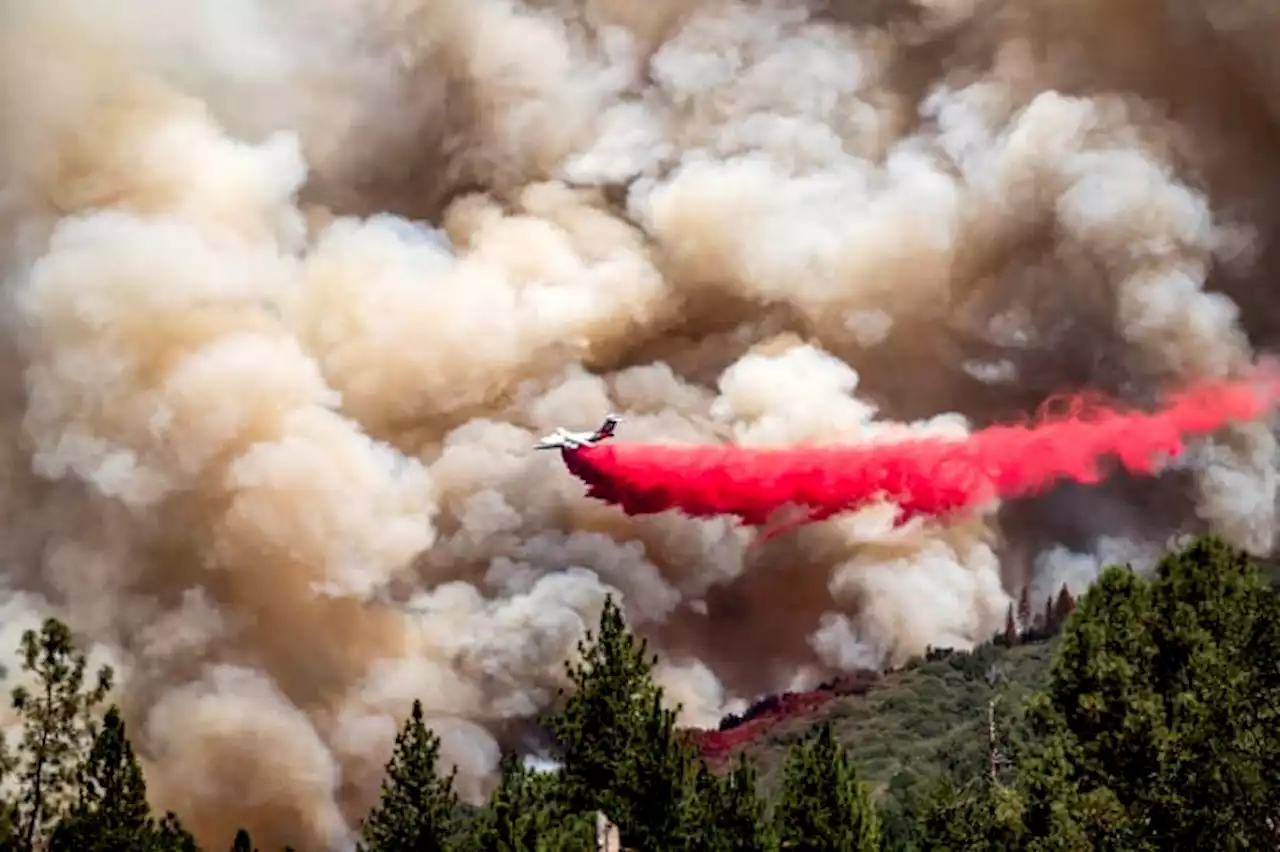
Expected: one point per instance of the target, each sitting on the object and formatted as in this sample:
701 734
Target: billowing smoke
291 288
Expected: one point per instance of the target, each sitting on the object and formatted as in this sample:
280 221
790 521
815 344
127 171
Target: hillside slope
906 728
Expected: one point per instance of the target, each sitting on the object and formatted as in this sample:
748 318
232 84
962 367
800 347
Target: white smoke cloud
290 289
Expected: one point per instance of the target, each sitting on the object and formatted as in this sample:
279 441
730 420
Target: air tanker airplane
563 439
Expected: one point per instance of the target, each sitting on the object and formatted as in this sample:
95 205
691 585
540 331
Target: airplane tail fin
610 425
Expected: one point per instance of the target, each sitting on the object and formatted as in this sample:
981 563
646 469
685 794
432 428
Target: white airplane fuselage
563 439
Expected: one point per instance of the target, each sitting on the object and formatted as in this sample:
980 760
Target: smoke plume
290 289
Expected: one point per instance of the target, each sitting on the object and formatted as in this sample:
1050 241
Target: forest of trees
1156 730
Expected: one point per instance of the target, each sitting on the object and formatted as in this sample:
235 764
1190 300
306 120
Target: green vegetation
823 804
1147 724
417 807
77 785
926 719
1156 729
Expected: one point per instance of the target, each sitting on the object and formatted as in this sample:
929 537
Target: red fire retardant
1075 438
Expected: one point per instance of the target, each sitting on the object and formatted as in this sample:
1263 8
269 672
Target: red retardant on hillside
926 477
767 713
715 746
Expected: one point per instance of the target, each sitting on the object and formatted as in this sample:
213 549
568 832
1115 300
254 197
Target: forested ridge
1148 722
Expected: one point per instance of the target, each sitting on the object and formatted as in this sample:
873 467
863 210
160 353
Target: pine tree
417 806
1100 721
981 818
1010 635
621 753
523 815
110 813
733 812
1063 605
242 842
9 816
823 805
172 837
515 812
1024 607
697 831
57 727
1217 634
1157 726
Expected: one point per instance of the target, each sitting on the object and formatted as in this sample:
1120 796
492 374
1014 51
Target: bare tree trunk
993 754
607 838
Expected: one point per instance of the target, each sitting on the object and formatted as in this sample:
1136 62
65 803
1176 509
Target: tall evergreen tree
1217 632
172 837
1010 634
697 831
242 842
9 815
824 806
729 815
1063 605
1101 724
416 809
1159 716
1024 607
110 813
524 815
621 753
57 722
984 817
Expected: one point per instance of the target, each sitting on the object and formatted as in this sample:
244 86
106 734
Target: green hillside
920 723
926 718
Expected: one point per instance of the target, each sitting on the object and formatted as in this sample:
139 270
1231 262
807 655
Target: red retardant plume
926 477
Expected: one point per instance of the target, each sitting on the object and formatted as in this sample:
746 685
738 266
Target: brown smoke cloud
290 289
